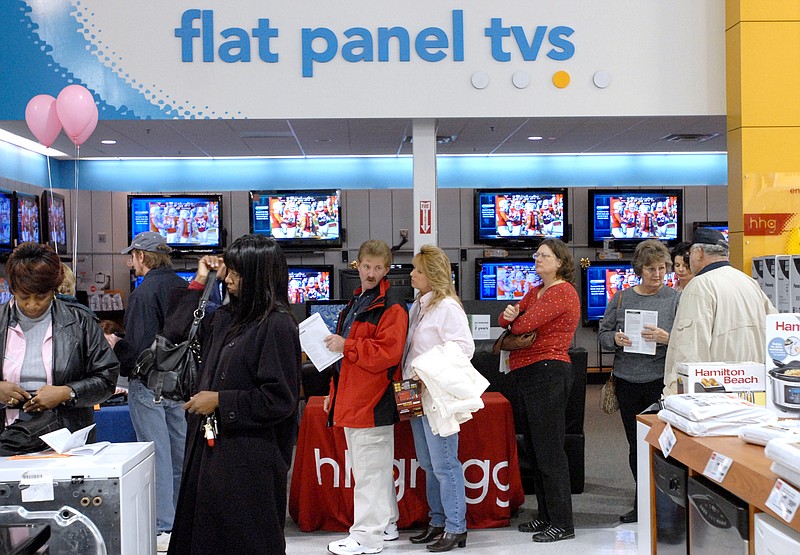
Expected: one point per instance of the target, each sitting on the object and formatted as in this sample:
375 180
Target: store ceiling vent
690 137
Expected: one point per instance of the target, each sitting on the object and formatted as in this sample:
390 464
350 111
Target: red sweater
554 316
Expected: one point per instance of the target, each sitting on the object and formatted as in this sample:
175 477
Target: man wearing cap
721 314
163 423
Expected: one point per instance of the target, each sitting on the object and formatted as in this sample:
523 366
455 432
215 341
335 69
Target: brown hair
651 251
433 262
34 269
376 248
155 259
564 255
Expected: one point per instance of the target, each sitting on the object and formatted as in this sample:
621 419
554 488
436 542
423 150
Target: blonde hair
67 286
434 264
376 248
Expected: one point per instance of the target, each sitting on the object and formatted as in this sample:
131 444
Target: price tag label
667 440
783 500
717 467
36 487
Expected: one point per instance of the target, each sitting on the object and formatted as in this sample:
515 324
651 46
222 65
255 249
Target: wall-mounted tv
187 222
54 221
187 275
6 220
298 219
310 282
328 310
719 226
520 217
27 218
601 280
629 216
504 279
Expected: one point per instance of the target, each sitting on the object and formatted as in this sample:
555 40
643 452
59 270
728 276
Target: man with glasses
721 314
161 422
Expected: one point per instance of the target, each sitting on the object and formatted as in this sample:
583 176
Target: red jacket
361 394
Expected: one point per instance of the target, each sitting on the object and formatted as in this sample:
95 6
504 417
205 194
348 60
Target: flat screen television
187 275
310 283
6 221
27 218
504 279
305 220
627 217
520 217
719 226
328 310
5 292
601 280
54 221
187 222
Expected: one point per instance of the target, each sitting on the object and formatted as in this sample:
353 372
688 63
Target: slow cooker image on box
786 388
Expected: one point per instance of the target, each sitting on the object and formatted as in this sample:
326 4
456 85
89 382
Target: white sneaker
350 546
391 533
162 541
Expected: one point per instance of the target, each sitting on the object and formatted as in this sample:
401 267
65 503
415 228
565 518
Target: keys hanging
210 430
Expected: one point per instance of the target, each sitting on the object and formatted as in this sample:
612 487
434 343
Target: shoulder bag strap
200 312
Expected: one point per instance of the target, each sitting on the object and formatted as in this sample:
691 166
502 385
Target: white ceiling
388 137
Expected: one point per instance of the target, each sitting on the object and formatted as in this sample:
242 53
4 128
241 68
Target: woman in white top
436 318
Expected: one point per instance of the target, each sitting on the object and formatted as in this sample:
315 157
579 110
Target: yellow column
763 104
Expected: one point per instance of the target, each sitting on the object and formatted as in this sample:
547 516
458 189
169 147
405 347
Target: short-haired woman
54 355
640 377
543 374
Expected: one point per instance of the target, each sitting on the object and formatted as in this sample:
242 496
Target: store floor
609 492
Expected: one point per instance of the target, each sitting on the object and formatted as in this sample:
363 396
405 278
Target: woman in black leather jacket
54 355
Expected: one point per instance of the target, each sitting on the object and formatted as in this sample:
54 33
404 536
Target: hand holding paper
73 443
313 332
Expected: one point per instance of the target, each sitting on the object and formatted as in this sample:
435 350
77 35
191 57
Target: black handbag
24 434
172 370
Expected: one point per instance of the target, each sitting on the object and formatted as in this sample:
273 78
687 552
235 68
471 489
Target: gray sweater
635 367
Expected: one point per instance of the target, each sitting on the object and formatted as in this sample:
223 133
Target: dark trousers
633 399
544 388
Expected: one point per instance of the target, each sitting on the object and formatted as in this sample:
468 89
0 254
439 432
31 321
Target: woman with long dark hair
233 493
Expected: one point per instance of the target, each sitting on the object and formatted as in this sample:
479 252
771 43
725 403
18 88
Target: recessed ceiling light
108 142
534 138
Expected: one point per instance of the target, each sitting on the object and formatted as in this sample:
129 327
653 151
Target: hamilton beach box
783 364
746 379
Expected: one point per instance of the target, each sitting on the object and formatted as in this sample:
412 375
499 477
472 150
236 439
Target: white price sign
717 467
783 500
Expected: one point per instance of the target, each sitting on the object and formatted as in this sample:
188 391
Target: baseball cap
708 236
148 241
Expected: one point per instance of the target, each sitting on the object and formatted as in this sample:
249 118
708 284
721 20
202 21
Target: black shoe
430 534
630 516
554 534
534 526
448 541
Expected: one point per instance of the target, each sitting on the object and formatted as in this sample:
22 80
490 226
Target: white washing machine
773 537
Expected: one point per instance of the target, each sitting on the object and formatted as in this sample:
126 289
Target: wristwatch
71 400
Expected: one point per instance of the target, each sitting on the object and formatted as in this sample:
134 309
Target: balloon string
75 213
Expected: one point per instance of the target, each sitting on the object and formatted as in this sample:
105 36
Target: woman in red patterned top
543 374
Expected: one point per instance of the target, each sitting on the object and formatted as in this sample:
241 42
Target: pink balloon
86 133
42 118
76 107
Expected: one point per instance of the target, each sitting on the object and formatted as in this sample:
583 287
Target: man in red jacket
371 333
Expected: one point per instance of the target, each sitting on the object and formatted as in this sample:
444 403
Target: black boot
448 541
430 534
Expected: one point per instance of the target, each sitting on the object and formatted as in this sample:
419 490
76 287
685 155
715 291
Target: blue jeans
444 476
165 425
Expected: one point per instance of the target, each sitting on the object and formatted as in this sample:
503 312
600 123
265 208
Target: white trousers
374 495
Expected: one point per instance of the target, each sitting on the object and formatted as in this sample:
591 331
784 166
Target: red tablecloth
321 494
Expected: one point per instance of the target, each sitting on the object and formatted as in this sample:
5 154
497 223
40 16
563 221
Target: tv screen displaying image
54 220
602 280
187 275
6 220
187 222
27 216
298 219
328 310
5 293
504 279
628 217
310 283
722 227
520 217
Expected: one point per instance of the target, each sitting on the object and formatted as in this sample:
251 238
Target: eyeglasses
542 255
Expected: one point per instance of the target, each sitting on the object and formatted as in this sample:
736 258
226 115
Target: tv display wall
504 279
310 283
628 217
6 220
298 219
187 222
27 218
54 221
